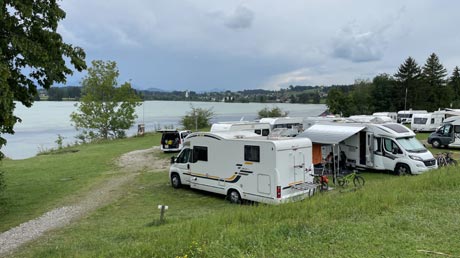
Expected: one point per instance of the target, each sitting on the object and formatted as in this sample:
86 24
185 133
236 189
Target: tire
324 187
436 143
453 162
175 181
234 196
402 170
358 181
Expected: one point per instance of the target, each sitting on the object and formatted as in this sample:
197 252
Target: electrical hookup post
140 129
162 209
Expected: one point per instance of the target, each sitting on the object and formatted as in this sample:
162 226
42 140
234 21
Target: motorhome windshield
411 144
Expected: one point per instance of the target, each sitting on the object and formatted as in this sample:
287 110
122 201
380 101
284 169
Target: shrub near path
130 164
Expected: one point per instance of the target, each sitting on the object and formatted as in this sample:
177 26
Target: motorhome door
183 164
370 150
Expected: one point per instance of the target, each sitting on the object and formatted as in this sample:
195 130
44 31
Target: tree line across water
411 87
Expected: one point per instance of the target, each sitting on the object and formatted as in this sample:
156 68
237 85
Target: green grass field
390 217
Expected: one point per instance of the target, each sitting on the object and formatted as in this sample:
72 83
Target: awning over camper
330 134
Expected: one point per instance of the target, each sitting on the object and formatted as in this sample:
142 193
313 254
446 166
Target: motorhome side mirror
395 150
173 159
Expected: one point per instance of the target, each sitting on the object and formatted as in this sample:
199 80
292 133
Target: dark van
172 140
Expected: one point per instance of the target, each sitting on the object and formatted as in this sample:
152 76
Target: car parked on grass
172 140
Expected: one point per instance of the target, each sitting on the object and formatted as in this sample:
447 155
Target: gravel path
132 162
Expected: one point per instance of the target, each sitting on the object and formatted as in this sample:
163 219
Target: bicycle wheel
453 162
341 181
358 181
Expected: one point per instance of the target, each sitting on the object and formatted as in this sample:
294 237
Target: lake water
45 120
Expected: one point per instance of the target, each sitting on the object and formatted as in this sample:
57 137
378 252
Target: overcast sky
269 44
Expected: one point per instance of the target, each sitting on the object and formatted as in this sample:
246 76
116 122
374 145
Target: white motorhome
426 122
386 146
392 115
255 127
405 116
245 166
293 124
447 135
431 121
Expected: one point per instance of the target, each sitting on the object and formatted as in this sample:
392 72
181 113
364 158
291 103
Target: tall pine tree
434 78
454 84
408 80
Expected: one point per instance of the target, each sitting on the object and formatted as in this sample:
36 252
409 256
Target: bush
197 118
274 112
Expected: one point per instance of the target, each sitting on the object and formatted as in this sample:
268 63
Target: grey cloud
241 18
358 47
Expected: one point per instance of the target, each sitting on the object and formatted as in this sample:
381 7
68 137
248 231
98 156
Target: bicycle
344 180
322 181
450 159
445 159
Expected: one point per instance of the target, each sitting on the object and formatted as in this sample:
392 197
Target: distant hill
155 90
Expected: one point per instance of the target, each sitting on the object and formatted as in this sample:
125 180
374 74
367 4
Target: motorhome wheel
436 143
234 197
402 170
175 181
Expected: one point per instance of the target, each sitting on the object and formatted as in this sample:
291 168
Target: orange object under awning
317 155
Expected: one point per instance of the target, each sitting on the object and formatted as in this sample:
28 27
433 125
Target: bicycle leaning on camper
345 180
445 159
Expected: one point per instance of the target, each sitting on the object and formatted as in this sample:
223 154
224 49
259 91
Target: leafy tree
32 53
408 78
454 83
434 74
383 94
197 118
361 98
106 110
273 112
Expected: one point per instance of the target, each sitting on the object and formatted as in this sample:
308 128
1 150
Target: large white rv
293 125
386 146
431 121
392 115
426 122
245 166
405 116
255 127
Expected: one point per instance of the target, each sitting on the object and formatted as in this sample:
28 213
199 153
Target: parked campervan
294 125
431 121
405 116
392 115
426 122
255 127
447 135
172 140
386 146
245 166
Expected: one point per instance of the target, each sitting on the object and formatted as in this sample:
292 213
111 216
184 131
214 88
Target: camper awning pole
334 172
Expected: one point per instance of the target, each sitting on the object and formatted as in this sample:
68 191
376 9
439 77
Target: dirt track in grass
129 164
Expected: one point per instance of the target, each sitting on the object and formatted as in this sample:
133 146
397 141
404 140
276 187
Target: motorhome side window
378 145
457 129
257 131
390 145
447 130
265 132
200 153
251 153
184 156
